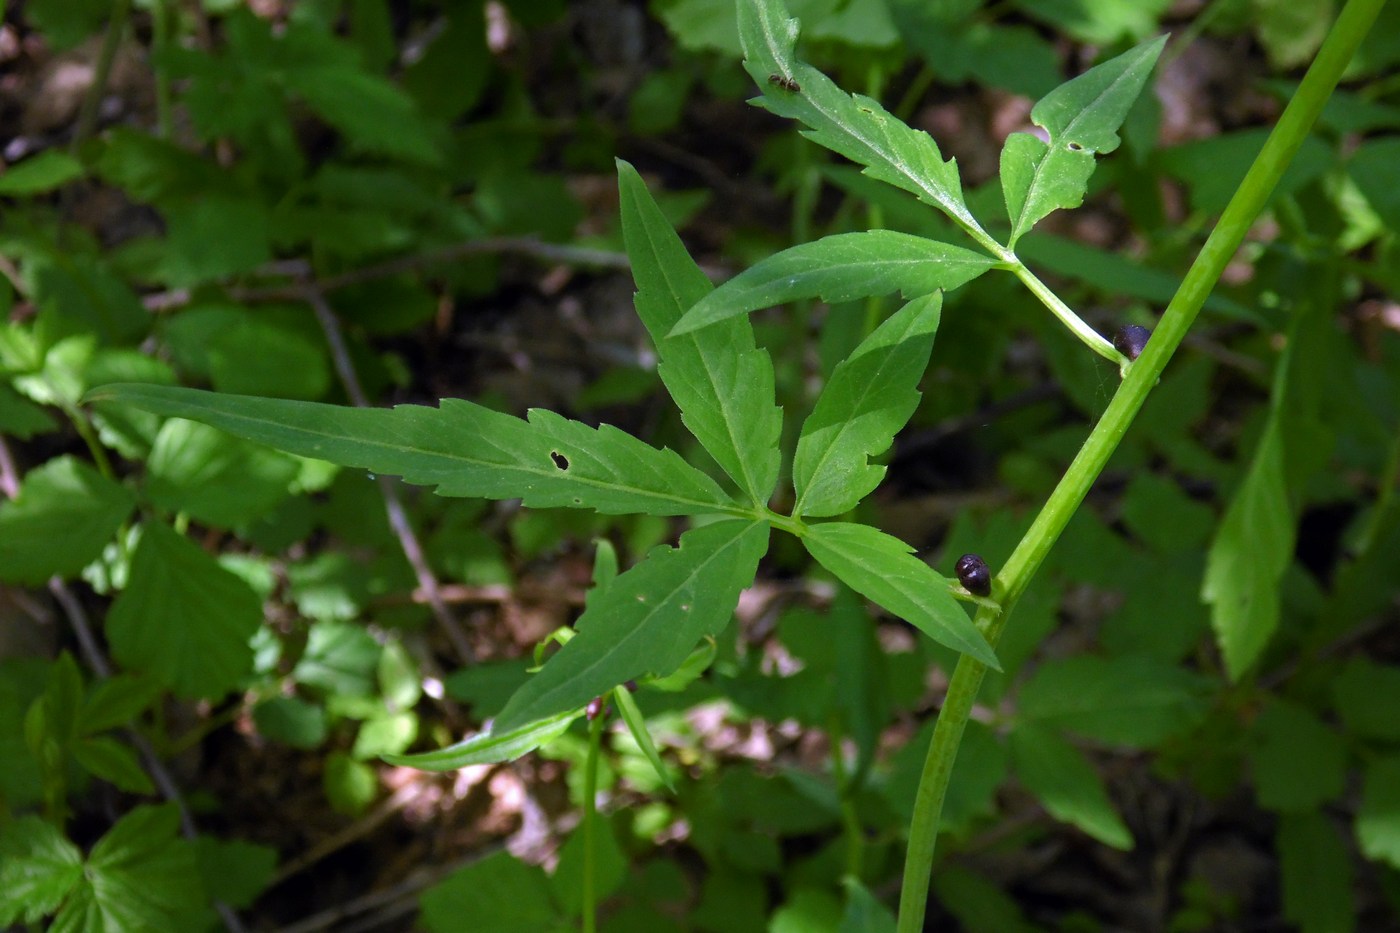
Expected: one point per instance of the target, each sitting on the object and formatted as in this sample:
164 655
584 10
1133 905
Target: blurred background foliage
205 645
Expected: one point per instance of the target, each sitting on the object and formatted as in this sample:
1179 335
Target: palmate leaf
868 398
647 620
854 126
883 568
461 448
842 267
1082 118
722 384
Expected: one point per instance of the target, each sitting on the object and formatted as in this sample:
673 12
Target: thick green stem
1317 86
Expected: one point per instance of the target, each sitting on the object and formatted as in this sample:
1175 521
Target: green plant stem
1090 337
87 113
846 786
1249 199
590 818
161 17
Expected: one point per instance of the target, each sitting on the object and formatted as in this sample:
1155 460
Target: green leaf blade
461 448
647 620
841 267
139 876
884 569
1315 868
1133 701
851 125
1247 559
71 508
1378 817
637 726
1067 785
38 868
870 396
1082 117
489 747
721 382
182 618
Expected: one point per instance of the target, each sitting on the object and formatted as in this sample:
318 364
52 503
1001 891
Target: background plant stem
590 815
1249 199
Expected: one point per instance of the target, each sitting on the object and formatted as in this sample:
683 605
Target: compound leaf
139 876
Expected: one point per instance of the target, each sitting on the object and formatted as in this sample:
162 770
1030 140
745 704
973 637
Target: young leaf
647 620
490 747
1067 785
868 398
637 725
722 384
462 448
842 267
884 569
1082 118
851 125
